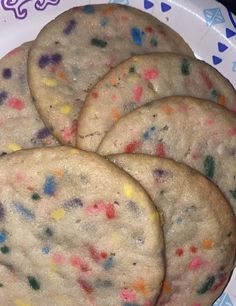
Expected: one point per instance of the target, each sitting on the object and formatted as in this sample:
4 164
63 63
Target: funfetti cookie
76 230
20 125
142 79
76 49
196 132
199 228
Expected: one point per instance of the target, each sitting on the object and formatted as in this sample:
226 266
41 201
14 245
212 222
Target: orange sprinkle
62 75
116 115
222 100
58 172
166 287
109 10
167 109
207 244
140 286
113 82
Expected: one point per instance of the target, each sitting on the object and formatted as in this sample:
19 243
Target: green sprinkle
215 94
35 197
185 67
209 166
99 43
132 69
233 192
207 285
34 284
5 249
49 232
1 285
153 42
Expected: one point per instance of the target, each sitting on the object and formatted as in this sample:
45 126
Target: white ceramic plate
208 27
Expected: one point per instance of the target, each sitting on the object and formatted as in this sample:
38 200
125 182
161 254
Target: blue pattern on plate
216 60
165 7
213 16
224 300
148 4
234 67
222 47
229 33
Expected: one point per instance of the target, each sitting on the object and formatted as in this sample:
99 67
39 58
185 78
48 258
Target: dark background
230 4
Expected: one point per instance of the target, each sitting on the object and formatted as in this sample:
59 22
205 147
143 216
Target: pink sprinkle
210 121
160 150
58 259
70 132
14 52
138 91
128 295
206 79
183 108
16 104
195 263
114 97
232 132
196 304
148 303
150 74
234 109
96 208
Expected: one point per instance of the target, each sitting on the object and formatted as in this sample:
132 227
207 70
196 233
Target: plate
207 26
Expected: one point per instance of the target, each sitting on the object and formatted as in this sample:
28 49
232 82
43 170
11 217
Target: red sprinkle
85 285
104 255
193 249
131 147
110 211
138 91
206 79
94 94
149 29
94 254
160 150
232 132
70 132
16 103
150 74
179 252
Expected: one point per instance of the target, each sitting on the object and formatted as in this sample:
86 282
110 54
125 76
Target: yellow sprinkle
65 109
58 214
53 268
128 190
115 238
154 216
14 147
49 82
74 151
21 303
133 78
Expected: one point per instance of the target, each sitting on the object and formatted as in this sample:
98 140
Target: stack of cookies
117 167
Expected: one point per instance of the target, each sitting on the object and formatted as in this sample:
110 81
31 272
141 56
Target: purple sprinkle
70 27
44 61
56 58
159 172
2 212
73 203
6 73
43 133
3 96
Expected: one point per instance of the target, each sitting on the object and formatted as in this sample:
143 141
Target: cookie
20 125
76 49
67 239
142 79
199 228
198 133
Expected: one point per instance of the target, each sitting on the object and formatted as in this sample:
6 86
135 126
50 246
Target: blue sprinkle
179 220
104 22
131 304
148 133
137 36
3 96
3 237
73 203
70 27
88 9
25 212
108 264
45 250
49 186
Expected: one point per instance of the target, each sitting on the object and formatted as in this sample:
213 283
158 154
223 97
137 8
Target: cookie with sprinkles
196 132
199 228
79 47
142 79
68 235
20 124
